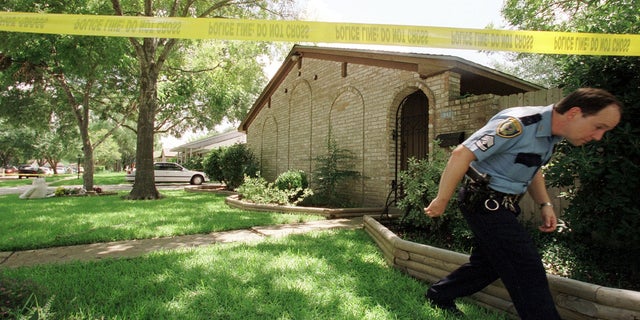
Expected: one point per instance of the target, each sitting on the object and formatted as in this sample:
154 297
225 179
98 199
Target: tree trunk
87 150
144 187
88 166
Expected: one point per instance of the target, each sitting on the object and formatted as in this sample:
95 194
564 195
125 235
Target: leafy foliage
295 183
230 165
420 185
194 163
288 191
292 179
55 82
212 165
332 171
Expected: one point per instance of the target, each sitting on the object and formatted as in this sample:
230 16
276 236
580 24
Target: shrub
60 191
212 164
258 190
230 165
236 162
194 163
292 179
333 169
420 185
601 179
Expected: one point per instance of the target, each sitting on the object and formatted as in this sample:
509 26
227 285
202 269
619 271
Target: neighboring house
165 155
201 147
385 107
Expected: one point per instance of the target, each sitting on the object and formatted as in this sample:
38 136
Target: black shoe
449 307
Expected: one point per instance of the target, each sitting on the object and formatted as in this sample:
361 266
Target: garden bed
329 213
90 194
217 189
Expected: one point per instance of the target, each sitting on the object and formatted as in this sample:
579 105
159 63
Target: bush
212 165
236 162
333 169
258 190
292 179
230 165
194 163
601 179
420 185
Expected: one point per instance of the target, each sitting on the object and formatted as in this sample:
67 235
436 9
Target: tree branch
195 71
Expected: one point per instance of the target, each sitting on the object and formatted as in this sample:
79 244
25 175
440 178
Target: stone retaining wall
329 213
574 299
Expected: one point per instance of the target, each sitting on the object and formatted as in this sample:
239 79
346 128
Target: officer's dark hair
589 100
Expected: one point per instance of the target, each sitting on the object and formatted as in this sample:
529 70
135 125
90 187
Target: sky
476 14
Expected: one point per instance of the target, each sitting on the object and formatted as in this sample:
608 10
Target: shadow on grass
61 221
320 275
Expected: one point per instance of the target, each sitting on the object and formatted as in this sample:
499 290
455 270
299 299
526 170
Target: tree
15 143
604 209
102 84
153 55
55 145
108 152
49 78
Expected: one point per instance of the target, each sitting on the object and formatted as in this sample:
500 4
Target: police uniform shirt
512 146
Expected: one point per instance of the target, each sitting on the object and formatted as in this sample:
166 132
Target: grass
319 275
63 221
99 179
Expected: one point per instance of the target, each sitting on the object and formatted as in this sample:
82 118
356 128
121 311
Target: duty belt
495 199
477 185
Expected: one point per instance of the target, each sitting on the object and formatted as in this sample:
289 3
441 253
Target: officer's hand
436 208
549 220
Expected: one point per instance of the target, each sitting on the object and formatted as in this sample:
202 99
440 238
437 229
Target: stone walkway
127 249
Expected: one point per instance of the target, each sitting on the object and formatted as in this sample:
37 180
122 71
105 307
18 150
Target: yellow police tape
325 32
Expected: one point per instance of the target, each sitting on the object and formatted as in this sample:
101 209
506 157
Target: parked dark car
10 170
27 170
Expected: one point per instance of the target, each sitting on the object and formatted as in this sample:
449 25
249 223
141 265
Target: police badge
509 128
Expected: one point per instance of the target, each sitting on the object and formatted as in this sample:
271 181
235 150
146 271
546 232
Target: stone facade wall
358 104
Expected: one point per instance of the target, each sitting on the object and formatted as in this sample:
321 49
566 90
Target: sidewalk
133 248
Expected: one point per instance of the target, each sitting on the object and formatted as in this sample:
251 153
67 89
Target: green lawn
319 275
99 179
60 221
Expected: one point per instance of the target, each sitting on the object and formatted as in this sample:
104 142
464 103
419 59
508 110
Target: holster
475 193
475 189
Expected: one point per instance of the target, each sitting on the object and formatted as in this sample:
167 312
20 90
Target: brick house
383 106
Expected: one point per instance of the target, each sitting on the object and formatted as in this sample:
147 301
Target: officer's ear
573 112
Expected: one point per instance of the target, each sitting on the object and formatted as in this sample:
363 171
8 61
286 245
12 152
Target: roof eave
406 61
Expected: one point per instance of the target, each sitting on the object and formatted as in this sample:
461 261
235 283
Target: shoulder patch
485 142
509 128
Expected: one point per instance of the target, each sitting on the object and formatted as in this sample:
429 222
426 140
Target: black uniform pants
503 249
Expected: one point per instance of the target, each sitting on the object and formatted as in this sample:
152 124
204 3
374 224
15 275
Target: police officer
506 155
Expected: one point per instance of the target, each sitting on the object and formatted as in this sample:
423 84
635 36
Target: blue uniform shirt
512 146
